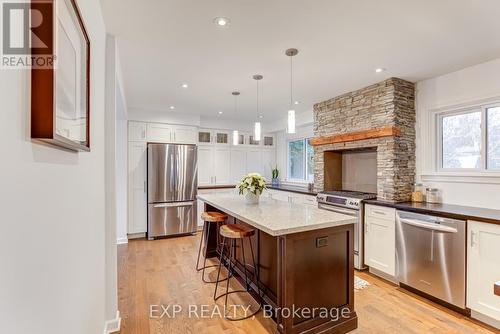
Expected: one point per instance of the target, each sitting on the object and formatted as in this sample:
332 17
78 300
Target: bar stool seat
213 217
235 232
209 217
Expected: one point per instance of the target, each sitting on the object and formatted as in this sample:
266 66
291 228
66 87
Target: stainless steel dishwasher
430 255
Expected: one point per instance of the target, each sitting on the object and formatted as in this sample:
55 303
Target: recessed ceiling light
379 70
184 85
296 102
172 107
220 112
222 21
260 116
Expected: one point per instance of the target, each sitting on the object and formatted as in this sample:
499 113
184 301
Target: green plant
275 173
252 182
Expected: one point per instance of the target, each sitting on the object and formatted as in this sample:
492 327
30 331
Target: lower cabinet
380 239
483 268
137 197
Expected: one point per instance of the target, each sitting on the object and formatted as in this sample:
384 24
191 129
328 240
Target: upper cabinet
268 141
136 131
184 134
161 133
213 137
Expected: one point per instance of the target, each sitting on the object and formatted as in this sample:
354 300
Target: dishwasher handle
429 226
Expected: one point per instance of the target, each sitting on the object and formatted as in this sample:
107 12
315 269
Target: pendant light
291 111
235 132
257 126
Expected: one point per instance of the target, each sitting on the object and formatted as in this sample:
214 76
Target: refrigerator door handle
171 205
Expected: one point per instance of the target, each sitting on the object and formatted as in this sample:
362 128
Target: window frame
304 161
483 169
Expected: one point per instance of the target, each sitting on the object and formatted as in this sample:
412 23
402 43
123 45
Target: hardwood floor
162 272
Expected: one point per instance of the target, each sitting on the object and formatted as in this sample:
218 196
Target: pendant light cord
291 81
257 98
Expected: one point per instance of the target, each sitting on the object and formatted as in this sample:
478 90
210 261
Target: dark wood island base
307 277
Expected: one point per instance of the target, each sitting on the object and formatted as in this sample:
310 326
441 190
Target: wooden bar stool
235 232
208 217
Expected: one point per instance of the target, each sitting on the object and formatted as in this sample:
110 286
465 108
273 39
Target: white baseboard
112 326
121 241
486 319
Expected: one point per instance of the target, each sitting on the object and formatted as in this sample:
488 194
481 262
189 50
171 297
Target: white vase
251 198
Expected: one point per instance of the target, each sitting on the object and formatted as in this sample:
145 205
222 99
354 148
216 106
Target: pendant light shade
256 131
235 137
235 132
291 112
257 127
291 122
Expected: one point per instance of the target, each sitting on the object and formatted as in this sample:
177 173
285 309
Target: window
470 140
300 160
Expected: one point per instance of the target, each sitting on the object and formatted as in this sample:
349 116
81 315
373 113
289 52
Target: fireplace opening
353 170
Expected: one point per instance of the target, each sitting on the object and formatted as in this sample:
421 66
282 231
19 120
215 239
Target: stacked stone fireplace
390 103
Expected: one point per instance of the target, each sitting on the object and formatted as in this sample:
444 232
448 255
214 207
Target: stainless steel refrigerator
172 188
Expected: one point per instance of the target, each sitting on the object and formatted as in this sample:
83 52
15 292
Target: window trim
483 169
304 161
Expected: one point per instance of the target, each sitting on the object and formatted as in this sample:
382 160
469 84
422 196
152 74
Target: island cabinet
308 268
483 271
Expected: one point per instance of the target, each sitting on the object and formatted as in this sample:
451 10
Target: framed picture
60 97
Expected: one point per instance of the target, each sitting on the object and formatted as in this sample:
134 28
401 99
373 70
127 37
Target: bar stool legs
205 237
230 264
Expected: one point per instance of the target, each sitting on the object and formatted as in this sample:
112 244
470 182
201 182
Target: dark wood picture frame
43 97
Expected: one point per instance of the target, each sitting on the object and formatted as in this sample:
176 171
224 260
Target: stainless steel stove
349 203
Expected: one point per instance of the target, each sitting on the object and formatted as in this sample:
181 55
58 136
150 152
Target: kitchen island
304 259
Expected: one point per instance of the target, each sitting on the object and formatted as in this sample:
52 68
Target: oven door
358 231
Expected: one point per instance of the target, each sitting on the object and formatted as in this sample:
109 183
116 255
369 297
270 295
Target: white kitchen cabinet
268 140
205 165
166 133
137 197
213 165
136 131
483 269
380 238
159 133
184 134
254 161
222 159
238 164
214 137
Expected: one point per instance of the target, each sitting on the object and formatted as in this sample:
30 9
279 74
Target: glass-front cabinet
210 137
268 140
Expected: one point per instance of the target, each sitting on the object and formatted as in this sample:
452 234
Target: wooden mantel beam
496 289
390 131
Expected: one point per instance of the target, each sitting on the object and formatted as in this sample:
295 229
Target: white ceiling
164 43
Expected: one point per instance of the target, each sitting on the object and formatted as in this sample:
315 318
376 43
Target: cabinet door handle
143 134
174 136
473 241
215 178
145 186
367 227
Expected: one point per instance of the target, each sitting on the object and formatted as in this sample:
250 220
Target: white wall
466 86
52 217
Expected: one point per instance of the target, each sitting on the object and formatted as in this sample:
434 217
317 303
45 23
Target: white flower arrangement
252 182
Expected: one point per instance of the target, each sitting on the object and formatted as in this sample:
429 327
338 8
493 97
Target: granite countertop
277 217
445 210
